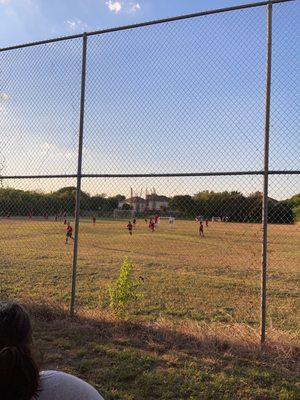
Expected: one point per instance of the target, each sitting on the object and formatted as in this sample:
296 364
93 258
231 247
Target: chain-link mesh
174 143
39 101
180 97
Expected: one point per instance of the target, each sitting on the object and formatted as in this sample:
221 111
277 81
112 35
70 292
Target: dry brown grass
195 333
216 279
280 351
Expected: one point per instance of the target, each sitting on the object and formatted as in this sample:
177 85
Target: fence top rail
148 23
157 175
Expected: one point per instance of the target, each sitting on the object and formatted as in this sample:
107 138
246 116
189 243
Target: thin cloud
46 147
4 97
16 8
135 7
76 25
51 151
114 6
9 2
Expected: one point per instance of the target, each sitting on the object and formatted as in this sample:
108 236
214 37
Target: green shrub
125 291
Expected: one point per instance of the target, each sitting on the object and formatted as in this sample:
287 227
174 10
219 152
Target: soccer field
191 335
210 279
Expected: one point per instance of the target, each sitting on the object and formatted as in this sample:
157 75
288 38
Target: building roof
156 197
135 199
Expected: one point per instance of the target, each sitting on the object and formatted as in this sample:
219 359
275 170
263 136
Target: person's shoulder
67 387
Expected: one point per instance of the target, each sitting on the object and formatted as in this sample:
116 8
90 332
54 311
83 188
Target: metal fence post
79 174
266 178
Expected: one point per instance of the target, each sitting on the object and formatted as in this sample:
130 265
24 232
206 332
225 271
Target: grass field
194 333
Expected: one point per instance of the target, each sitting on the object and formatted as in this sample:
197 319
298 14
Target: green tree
185 205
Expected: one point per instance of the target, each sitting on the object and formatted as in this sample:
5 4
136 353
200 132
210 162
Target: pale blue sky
30 20
182 97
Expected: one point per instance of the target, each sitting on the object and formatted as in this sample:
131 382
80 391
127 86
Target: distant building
138 204
153 202
156 202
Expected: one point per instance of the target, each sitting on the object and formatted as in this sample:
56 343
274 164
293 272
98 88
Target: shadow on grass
164 360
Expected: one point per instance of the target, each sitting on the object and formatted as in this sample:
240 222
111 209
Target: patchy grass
167 360
216 278
194 333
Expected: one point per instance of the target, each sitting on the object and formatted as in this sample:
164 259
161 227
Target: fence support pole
79 173
266 178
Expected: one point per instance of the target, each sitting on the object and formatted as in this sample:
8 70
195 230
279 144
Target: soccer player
201 231
134 222
206 222
94 220
69 233
129 227
151 225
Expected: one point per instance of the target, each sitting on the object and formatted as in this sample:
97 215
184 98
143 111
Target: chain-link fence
169 142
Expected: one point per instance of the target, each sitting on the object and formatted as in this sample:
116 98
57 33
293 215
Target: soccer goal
123 214
216 219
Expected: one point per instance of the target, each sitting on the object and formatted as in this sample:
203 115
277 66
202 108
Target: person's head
19 374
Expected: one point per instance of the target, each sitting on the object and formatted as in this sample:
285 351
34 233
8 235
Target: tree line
16 202
232 206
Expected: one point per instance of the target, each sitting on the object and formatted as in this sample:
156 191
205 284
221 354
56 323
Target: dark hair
19 374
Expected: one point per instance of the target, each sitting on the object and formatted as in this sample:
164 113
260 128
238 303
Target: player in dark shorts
129 227
206 222
94 220
69 233
201 231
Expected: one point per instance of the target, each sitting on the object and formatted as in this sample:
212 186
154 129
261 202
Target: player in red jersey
206 222
69 233
151 225
134 222
94 220
129 227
